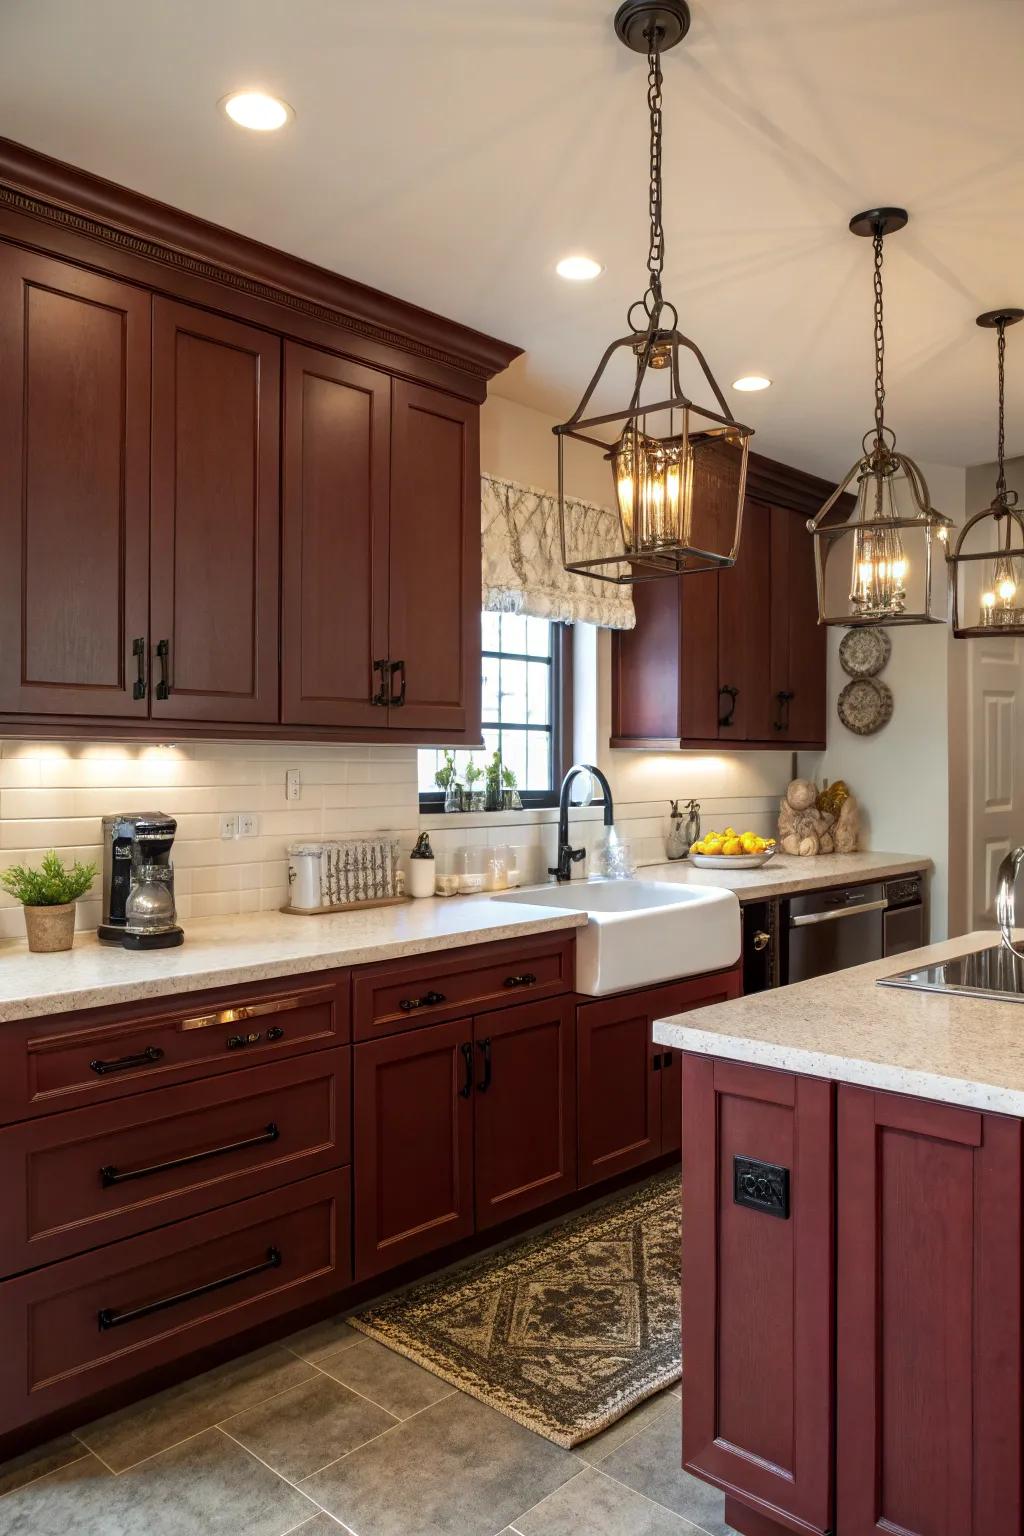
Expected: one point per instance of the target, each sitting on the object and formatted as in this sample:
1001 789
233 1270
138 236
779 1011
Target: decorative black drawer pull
761 1186
396 700
484 1047
428 1000
126 1063
139 652
275 1032
785 698
108 1318
527 979
732 694
163 687
467 1068
380 698
110 1175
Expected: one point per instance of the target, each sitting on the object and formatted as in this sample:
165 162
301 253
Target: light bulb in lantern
879 570
653 485
988 606
1007 590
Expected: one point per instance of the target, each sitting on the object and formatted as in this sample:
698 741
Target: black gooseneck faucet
567 854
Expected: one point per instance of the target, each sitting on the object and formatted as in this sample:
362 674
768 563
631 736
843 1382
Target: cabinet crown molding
60 194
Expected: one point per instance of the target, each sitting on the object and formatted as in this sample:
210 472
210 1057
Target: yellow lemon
749 841
732 846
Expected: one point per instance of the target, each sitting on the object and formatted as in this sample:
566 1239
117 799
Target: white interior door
995 765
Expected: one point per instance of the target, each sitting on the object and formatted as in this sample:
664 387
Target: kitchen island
852 1277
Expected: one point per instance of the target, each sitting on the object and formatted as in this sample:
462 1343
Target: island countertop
945 1047
228 951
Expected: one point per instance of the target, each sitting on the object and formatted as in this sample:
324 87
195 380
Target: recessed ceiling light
579 269
257 110
751 382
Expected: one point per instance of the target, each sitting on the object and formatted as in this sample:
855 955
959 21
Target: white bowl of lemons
732 850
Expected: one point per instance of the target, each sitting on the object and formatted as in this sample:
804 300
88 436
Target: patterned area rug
563 1332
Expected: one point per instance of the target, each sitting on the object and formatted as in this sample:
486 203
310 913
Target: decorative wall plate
865 705
864 652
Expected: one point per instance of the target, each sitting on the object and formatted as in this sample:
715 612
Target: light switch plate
228 827
293 784
248 824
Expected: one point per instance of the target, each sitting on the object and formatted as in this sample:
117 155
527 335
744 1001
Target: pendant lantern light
877 567
678 468
999 594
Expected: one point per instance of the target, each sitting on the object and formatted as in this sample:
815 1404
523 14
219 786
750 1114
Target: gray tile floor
330 1432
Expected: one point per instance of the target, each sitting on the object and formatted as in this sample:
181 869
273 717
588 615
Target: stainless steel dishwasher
826 931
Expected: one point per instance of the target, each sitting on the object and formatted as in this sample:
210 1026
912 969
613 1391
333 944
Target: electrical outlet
228 827
293 784
248 824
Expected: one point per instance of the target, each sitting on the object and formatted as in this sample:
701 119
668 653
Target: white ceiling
451 150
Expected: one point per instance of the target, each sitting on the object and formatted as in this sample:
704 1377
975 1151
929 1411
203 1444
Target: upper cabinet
74 492
734 656
215 517
241 494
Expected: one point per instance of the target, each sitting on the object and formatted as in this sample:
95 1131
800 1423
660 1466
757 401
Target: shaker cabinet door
619 1087
74 490
215 517
336 466
798 642
745 600
435 563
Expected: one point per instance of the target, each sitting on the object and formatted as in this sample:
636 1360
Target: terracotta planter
50 928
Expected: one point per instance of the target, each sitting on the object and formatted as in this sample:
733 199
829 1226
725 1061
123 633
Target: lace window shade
522 558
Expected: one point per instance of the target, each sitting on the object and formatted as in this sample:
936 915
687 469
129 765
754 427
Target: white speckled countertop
956 1049
785 875
227 951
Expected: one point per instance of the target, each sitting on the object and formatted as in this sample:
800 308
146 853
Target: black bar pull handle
785 698
111 1175
397 699
467 1070
139 652
107 1317
484 1047
732 694
163 687
380 698
428 1000
527 979
145 1058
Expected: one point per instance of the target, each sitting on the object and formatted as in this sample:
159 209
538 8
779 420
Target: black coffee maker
138 881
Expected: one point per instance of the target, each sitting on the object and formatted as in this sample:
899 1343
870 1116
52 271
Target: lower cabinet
630 1089
460 1126
928 1413
898 1257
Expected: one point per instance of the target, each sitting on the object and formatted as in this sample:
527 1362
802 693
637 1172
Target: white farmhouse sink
643 931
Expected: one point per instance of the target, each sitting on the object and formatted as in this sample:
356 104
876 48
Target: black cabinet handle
397 700
139 652
163 687
527 979
730 709
467 1070
108 1318
110 1175
666 1058
656 1063
428 1000
126 1063
275 1032
380 698
484 1047
784 698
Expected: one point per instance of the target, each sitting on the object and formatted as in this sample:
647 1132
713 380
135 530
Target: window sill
532 816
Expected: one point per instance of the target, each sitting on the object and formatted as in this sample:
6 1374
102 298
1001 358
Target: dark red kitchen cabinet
758 1290
745 600
928 1425
525 1109
412 1144
798 642
336 468
629 1087
74 492
434 644
216 524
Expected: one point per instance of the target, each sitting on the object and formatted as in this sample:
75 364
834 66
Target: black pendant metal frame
1002 510
652 27
879 461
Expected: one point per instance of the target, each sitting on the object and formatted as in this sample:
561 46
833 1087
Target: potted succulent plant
48 895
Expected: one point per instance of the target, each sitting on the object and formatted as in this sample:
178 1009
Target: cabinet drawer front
92 1176
50 1064
388 998
81 1326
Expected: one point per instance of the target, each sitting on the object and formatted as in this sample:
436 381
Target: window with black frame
524 683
